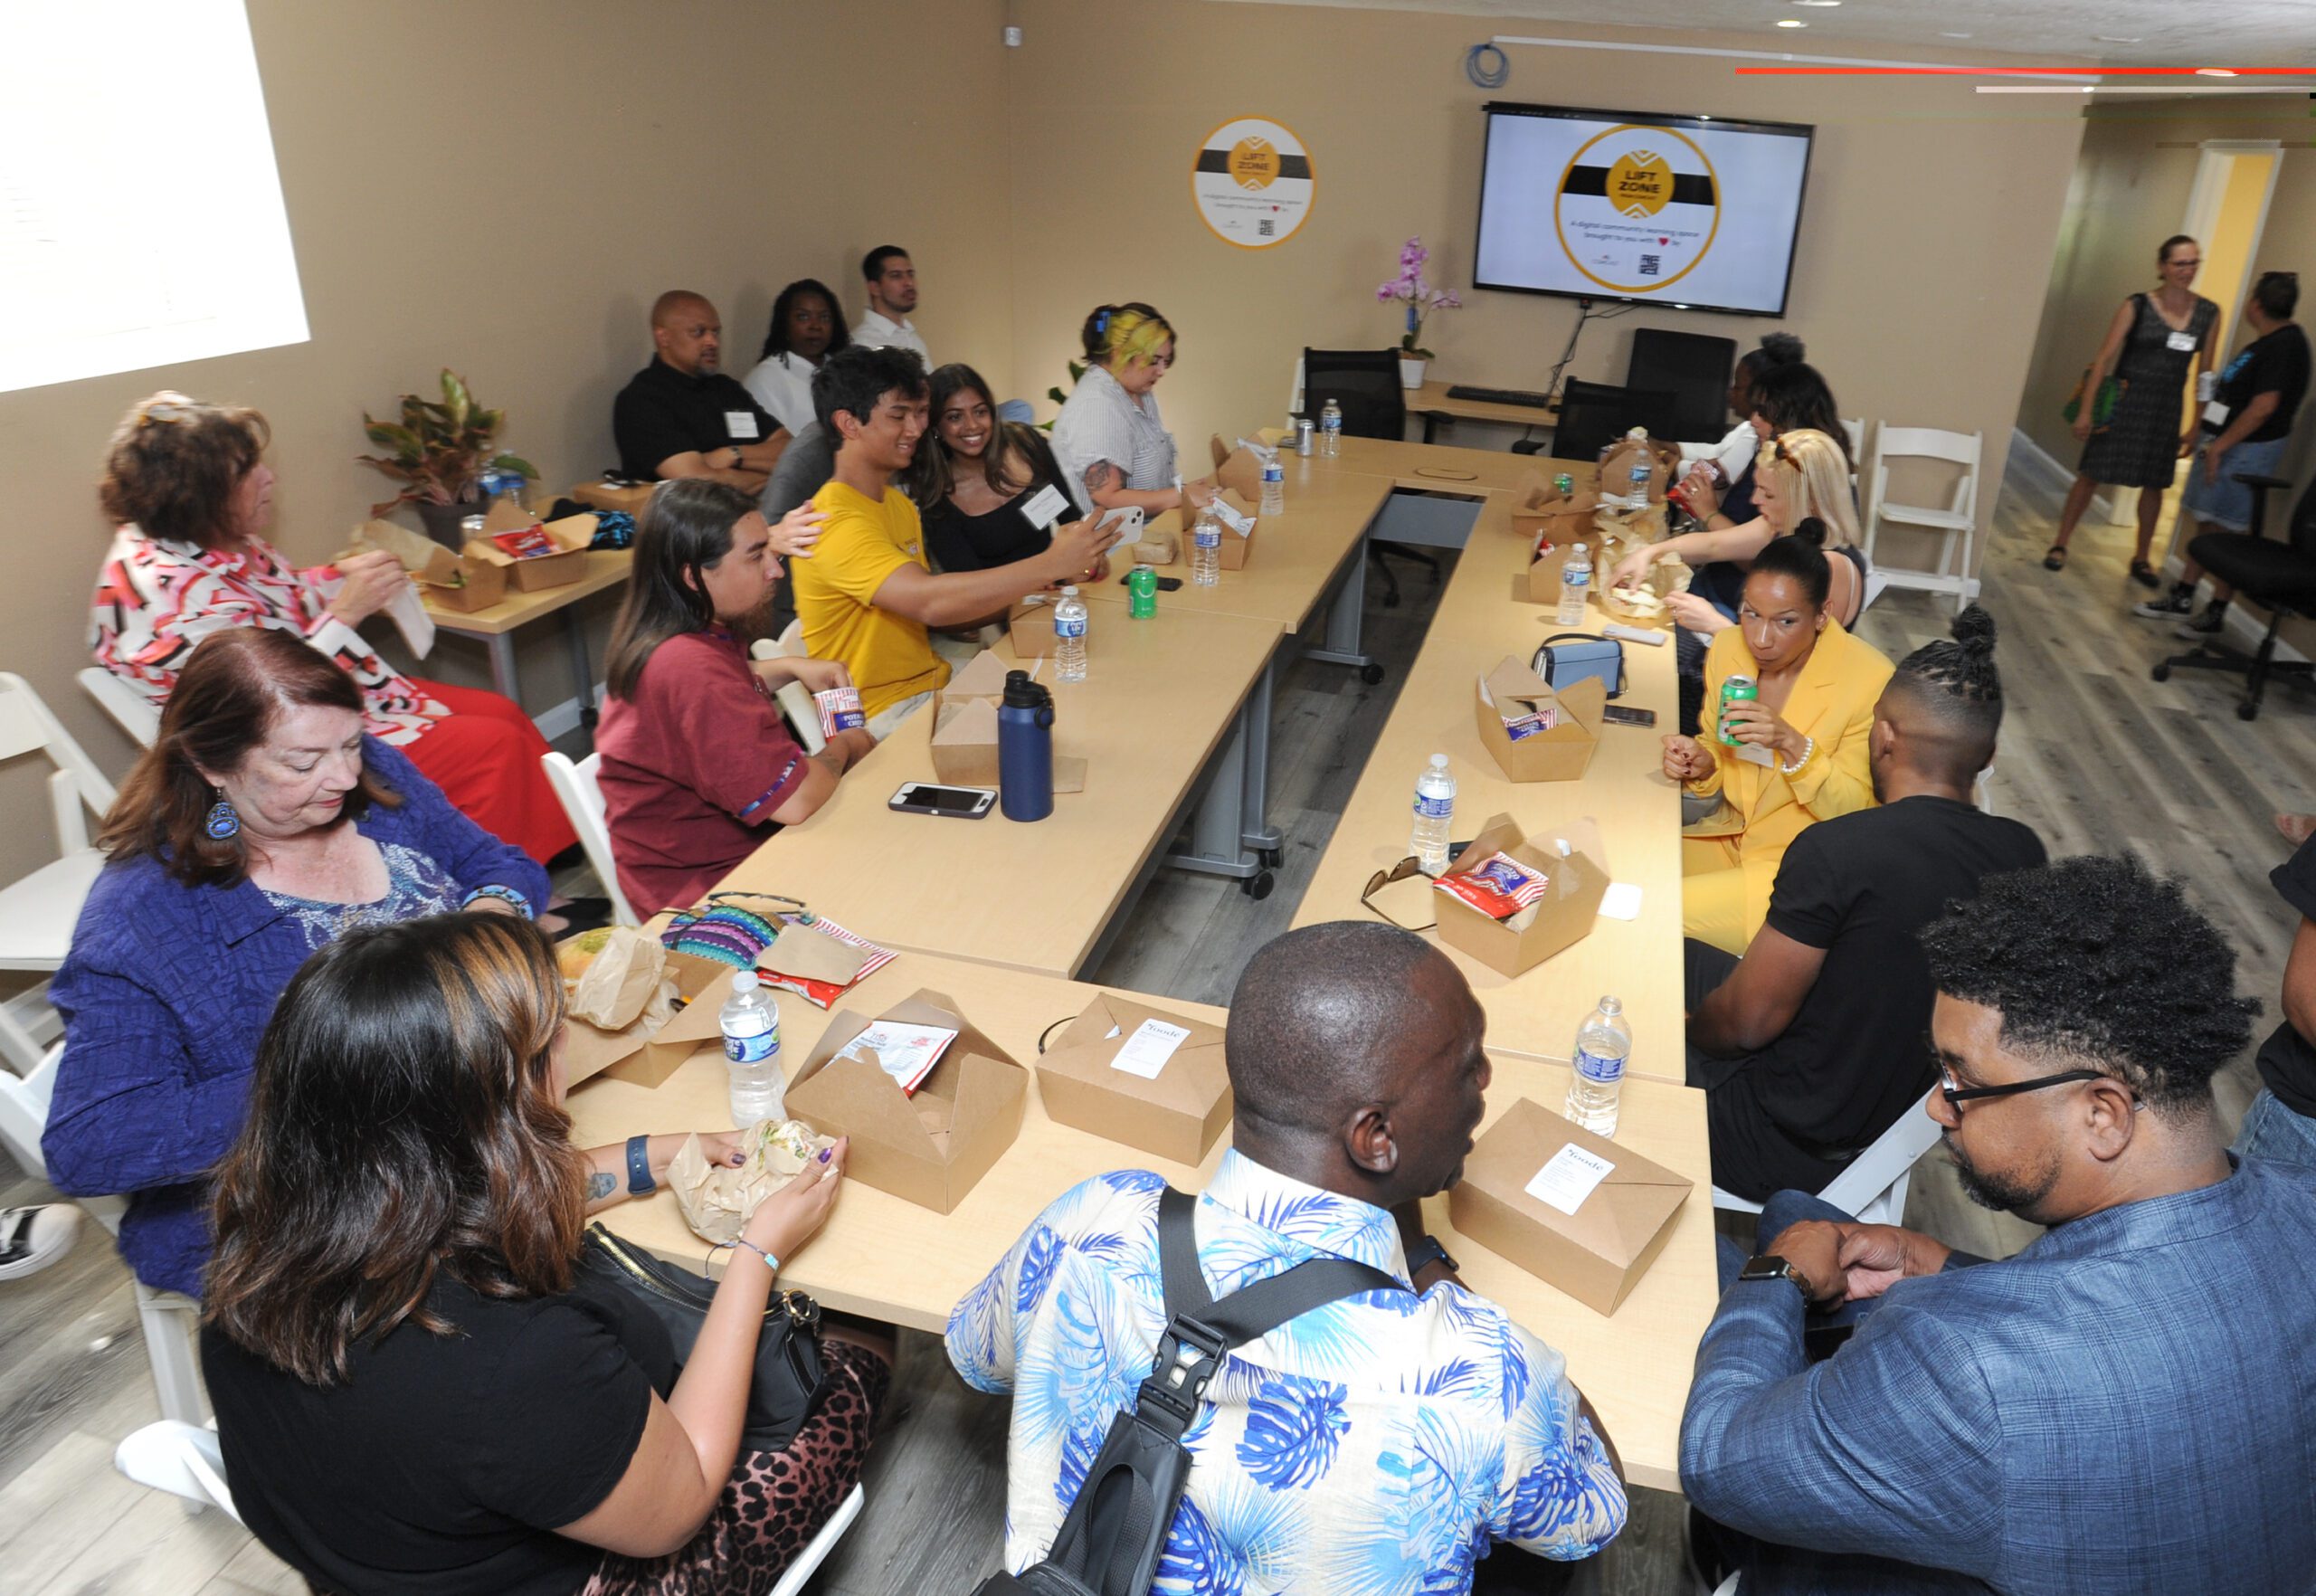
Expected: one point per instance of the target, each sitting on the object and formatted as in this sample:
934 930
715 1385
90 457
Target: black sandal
2144 574
2056 559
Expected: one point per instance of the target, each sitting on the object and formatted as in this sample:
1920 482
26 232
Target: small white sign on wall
1253 183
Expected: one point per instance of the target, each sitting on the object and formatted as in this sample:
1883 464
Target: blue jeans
2277 1134
2227 503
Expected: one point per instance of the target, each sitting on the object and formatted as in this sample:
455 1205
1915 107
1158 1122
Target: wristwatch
737 455
640 1182
1427 1251
1768 1265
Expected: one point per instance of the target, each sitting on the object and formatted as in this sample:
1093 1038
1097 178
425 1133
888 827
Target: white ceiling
2166 33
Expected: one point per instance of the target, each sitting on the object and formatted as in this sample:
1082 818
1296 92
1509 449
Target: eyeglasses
1957 1095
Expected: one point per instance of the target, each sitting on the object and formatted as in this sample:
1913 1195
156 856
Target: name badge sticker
2215 414
2180 343
1045 506
740 425
1568 1178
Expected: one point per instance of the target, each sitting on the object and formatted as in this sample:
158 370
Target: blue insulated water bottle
1025 749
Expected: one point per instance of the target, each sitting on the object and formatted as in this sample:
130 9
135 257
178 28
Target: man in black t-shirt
680 417
2280 1123
2245 427
1814 1044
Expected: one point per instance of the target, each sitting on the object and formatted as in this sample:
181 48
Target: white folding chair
1952 524
575 788
796 703
181 1458
38 912
1872 1187
131 710
816 1550
166 1319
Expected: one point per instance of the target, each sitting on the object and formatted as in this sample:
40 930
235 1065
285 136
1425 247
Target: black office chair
2279 577
1366 383
1593 415
1693 368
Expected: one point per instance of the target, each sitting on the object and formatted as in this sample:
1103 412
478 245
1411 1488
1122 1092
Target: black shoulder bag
1109 1544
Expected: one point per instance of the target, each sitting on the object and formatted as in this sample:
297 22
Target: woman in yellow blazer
1800 754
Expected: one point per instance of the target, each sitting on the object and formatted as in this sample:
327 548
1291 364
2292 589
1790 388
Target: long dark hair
1010 460
685 529
1795 398
403 1123
234 685
776 339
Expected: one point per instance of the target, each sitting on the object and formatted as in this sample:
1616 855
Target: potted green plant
440 453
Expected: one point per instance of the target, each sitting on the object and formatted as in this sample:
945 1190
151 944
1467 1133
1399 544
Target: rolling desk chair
1693 368
1365 383
2280 577
1593 415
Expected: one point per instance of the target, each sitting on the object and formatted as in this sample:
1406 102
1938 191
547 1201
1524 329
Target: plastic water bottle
1575 581
1603 1043
1330 429
1206 550
751 1022
1069 620
506 485
1435 816
1274 487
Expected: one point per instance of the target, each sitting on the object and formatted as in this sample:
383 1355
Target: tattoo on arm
600 1185
1101 476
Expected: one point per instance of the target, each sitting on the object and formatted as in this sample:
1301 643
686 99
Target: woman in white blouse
1114 449
807 327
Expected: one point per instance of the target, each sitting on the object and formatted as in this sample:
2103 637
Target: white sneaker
32 1238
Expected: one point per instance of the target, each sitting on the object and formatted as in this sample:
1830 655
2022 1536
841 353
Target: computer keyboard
1520 397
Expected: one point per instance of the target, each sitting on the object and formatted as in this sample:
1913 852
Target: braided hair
1955 680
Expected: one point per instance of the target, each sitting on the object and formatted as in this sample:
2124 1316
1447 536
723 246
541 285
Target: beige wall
504 188
1925 241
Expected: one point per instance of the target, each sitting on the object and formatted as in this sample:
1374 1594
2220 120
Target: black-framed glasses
1957 1095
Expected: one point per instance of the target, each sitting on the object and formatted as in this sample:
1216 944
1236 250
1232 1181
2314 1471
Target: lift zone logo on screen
1640 210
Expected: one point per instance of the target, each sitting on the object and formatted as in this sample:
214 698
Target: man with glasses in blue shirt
2129 1404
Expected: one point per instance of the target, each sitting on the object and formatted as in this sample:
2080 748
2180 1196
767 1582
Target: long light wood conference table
889 1260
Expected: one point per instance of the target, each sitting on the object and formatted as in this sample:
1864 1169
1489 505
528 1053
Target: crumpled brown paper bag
619 981
716 1200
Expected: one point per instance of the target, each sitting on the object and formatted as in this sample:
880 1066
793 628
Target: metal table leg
1254 715
501 645
1218 823
1343 610
581 671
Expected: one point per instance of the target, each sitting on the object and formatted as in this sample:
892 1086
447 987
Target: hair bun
1974 630
1811 531
1781 348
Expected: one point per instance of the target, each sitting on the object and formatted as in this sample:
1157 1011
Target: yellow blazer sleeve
1837 778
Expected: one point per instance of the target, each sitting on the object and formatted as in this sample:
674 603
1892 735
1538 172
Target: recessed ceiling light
2116 39
2214 72
1817 2
1953 35
1791 22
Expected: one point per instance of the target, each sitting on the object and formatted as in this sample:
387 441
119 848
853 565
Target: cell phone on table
1626 715
1165 584
957 803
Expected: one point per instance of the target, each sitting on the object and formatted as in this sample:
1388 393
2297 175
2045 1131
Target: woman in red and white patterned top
189 492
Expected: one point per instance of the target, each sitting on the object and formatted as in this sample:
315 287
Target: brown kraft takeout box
447 580
1597 1253
1579 878
1028 620
607 496
1560 752
964 728
656 1046
930 1148
571 536
1177 1113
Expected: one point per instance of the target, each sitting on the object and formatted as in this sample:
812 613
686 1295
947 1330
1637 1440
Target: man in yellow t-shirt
866 594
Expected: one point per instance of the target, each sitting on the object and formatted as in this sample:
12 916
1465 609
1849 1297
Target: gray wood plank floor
2095 756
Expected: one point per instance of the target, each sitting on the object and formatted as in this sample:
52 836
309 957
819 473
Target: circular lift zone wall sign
1253 183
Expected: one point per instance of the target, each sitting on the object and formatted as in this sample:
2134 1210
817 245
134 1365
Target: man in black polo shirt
2246 426
1814 1044
682 417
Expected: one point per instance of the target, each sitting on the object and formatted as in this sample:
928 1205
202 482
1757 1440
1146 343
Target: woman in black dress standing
2156 336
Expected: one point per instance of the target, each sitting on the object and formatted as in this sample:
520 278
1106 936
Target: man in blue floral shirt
1378 1445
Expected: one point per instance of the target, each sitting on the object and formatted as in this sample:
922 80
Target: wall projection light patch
1253 183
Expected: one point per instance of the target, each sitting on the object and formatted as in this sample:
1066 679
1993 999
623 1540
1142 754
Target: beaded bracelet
1809 746
506 895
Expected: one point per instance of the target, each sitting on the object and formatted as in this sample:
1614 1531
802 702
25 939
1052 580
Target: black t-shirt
2287 1061
2276 363
662 412
1862 887
444 1462
960 542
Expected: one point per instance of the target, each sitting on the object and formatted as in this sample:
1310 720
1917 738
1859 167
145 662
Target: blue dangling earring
224 820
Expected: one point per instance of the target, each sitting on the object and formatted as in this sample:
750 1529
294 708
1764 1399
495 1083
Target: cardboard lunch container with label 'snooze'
1559 752
1578 1211
1575 868
931 1147
1140 1076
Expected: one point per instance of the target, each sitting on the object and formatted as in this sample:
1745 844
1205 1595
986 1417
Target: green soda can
1564 483
1142 588
1735 689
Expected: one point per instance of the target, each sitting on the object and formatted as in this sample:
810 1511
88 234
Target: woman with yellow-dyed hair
1114 449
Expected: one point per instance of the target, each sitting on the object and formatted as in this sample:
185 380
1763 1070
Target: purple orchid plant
1411 289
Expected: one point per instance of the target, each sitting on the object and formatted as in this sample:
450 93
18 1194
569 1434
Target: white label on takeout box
2180 342
1230 517
739 425
1568 1178
1146 1052
1045 506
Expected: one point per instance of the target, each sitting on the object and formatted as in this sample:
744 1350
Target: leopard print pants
774 1501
